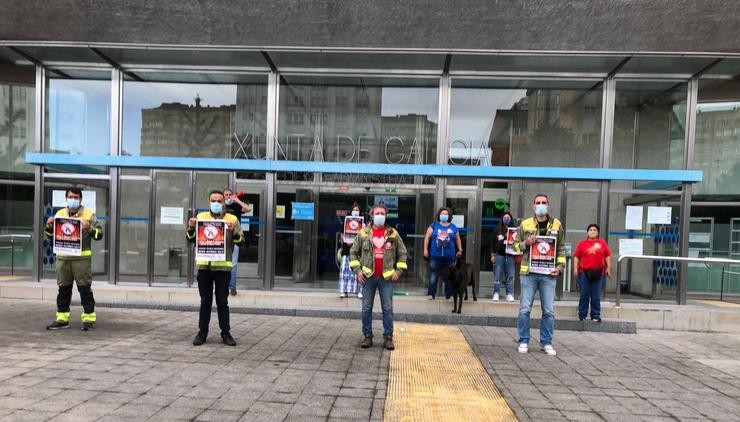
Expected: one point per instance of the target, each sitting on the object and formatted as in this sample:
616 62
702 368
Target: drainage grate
435 376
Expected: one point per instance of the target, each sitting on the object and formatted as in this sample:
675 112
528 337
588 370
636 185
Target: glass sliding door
250 271
172 207
135 209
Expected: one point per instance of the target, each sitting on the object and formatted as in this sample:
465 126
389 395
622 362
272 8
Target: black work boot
366 342
199 339
58 325
388 343
228 340
87 326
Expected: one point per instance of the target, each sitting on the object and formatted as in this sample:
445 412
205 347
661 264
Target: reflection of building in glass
345 124
546 124
187 130
250 126
16 127
718 146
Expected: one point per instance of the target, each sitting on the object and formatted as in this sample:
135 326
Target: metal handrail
12 247
708 260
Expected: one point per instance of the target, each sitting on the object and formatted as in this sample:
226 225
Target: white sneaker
430 297
548 350
523 347
359 295
509 298
343 295
495 297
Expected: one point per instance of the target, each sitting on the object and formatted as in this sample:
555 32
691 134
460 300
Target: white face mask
355 213
379 219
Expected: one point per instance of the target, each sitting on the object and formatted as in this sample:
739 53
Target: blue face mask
379 220
507 220
444 217
540 210
73 203
217 207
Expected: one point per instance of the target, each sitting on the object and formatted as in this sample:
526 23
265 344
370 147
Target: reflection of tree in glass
195 135
11 154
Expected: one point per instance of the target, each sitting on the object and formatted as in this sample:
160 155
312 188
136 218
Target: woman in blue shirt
442 245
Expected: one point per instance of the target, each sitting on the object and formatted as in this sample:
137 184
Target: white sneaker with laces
509 298
548 350
495 297
523 347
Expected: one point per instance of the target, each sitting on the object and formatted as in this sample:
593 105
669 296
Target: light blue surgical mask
379 219
355 213
73 203
540 210
444 217
217 207
507 220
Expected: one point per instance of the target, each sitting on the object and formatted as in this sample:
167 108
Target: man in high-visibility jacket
542 224
70 268
215 274
378 257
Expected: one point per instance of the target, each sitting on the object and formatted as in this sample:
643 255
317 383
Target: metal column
38 191
686 188
114 172
443 130
268 254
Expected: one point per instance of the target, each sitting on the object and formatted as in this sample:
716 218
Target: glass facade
392 126
17 126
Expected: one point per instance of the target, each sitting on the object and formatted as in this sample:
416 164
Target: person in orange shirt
591 264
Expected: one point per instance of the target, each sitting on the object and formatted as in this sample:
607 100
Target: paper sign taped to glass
67 236
210 240
352 227
543 255
509 242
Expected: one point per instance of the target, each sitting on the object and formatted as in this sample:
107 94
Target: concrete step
703 316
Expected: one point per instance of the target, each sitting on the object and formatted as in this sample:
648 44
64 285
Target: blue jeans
234 265
590 291
545 284
504 266
386 304
437 264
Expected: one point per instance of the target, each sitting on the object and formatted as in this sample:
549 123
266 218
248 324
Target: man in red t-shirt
591 263
378 257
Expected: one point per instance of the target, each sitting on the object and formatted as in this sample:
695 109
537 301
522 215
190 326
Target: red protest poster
352 227
67 236
542 255
509 242
210 241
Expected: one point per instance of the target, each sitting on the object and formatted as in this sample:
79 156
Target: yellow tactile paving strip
434 375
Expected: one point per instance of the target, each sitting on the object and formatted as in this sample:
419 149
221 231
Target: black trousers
207 280
64 298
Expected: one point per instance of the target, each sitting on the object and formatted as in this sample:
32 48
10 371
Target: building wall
565 25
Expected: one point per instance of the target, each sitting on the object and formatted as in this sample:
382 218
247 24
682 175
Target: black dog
460 276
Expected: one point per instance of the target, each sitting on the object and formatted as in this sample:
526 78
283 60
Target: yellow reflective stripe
187 235
63 316
388 274
367 270
83 253
220 263
516 247
524 268
214 263
91 317
354 263
402 266
560 260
